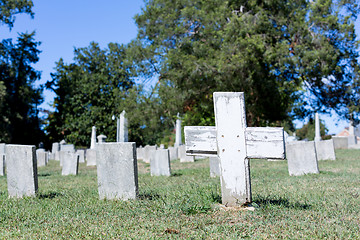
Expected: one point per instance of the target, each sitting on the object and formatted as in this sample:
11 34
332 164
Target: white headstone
147 153
93 138
55 147
140 153
325 150
160 163
117 171
214 166
67 148
91 157
70 163
182 155
21 170
81 153
340 142
317 128
101 138
301 157
178 140
42 158
123 127
173 151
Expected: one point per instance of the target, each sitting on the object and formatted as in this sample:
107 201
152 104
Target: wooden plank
261 142
230 119
200 140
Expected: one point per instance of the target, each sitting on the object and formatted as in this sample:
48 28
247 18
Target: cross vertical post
230 121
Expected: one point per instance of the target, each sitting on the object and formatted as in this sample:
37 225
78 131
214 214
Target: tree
19 121
278 52
308 131
89 91
9 8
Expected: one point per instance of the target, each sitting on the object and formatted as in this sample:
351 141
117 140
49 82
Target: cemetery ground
187 204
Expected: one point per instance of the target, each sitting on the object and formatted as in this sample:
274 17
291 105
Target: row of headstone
303 156
145 153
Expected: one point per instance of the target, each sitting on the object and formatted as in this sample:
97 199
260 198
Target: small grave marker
90 157
301 157
21 170
214 166
235 144
117 171
41 158
160 163
183 156
70 163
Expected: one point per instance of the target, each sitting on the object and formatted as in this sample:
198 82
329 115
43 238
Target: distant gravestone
101 138
317 128
21 170
81 153
340 142
214 166
55 151
2 164
325 150
301 157
93 138
117 171
123 131
55 147
139 153
57 156
173 152
147 152
178 138
91 157
182 155
70 163
160 163
41 158
67 148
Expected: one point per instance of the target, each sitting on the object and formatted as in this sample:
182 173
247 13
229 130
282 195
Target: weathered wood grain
265 142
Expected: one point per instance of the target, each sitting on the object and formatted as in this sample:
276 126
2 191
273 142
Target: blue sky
61 25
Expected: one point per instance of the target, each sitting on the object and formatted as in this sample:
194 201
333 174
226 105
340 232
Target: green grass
186 205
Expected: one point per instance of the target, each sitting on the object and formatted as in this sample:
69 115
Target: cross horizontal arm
261 142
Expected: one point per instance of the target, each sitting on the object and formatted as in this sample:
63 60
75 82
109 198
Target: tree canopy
19 122
274 51
291 58
9 8
88 93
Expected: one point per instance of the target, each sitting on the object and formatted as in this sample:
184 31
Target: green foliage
308 130
274 51
19 122
89 92
9 8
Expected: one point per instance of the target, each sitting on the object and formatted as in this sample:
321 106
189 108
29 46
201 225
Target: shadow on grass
262 202
44 174
149 196
177 174
50 195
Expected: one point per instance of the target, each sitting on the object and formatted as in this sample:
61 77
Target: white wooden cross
235 144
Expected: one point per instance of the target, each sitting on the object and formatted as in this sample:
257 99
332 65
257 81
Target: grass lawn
186 205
